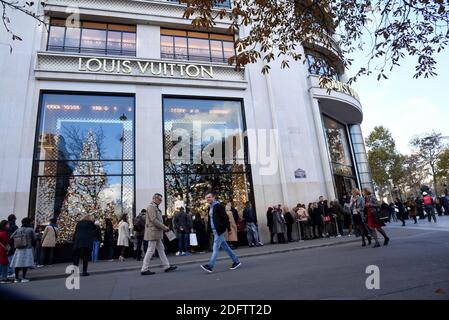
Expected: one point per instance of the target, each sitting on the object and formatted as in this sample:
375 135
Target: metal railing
217 4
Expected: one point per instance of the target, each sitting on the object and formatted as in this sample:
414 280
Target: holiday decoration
82 196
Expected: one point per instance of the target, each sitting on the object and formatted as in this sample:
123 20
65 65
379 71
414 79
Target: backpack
20 239
139 224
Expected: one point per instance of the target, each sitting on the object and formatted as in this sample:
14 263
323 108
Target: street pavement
414 266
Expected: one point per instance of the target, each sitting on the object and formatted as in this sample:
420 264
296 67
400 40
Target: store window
84 159
340 154
197 46
320 65
205 128
92 38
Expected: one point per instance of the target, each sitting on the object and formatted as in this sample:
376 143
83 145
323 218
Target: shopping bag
193 240
170 235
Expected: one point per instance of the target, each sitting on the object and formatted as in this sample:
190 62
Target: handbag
193 240
327 218
380 215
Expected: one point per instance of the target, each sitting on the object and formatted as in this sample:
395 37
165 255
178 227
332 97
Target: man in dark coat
219 224
83 240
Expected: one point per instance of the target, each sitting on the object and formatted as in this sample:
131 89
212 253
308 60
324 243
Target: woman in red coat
4 242
373 225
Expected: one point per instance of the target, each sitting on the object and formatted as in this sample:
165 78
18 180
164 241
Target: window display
84 159
189 173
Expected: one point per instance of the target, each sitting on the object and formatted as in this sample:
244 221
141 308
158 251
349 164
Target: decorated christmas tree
82 196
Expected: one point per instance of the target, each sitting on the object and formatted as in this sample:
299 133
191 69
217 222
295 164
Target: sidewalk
58 270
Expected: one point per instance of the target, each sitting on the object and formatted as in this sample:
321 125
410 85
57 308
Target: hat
424 193
97 223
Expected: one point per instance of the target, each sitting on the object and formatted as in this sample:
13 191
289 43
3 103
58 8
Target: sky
406 106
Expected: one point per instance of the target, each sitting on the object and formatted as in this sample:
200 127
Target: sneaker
147 273
386 241
25 280
187 254
235 265
110 260
4 281
339 236
206 268
17 281
11 276
171 268
179 253
260 244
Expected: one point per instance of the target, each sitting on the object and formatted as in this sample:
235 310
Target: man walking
219 224
251 228
154 233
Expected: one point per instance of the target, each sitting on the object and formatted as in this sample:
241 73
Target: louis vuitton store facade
102 114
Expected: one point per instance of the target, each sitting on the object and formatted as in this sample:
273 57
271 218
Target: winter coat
279 224
84 235
108 236
249 215
220 219
97 234
154 224
182 223
288 218
231 235
317 218
50 236
123 234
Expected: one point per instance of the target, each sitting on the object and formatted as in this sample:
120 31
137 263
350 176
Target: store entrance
344 185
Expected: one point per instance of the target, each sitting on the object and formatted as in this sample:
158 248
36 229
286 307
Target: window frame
209 58
32 196
85 50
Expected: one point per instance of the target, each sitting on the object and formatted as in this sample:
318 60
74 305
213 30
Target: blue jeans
183 242
220 242
3 272
251 233
10 270
95 248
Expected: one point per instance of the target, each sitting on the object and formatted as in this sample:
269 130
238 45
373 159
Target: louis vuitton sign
143 67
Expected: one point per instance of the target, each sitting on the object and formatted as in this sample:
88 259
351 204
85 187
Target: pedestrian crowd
359 214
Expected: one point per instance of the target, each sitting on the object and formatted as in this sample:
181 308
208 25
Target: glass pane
181 48
114 42
216 48
84 161
56 38
193 128
228 50
167 47
199 49
93 41
72 39
129 43
338 142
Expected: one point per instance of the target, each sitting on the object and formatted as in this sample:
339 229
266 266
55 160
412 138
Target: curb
199 261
